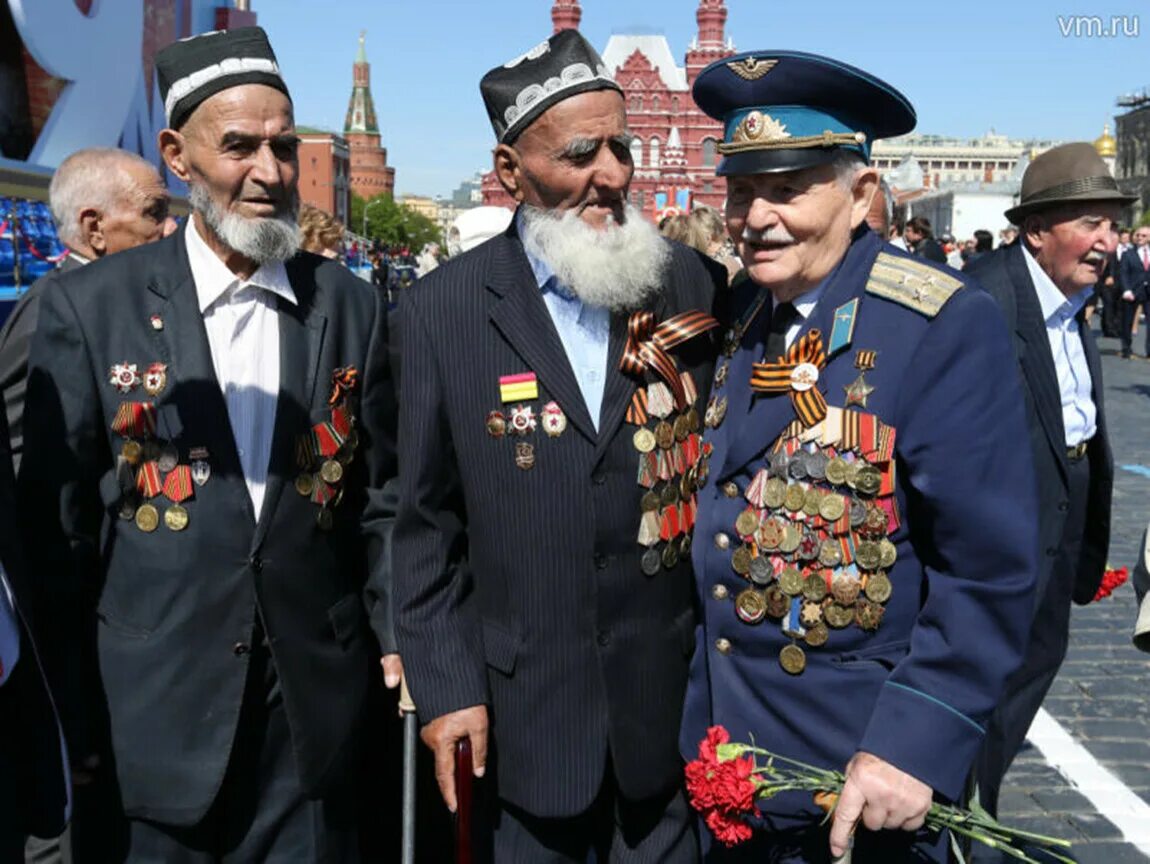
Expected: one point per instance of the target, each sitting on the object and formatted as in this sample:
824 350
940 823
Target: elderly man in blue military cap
865 543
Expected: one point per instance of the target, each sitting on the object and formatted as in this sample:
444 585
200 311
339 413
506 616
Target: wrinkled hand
392 670
1128 296
442 733
882 796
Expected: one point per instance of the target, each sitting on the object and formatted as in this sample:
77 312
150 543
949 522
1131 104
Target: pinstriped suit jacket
522 589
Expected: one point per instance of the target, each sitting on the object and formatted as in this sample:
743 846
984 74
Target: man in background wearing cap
204 539
855 616
543 591
1068 216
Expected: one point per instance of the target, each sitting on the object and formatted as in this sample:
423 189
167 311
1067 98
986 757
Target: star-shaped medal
858 391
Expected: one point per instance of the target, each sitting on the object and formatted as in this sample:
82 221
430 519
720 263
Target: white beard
275 238
618 267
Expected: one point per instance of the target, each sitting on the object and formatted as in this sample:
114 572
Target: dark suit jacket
171 613
1005 276
15 343
522 589
32 758
1133 276
930 249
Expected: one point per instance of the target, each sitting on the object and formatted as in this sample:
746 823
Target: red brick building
370 173
675 143
325 172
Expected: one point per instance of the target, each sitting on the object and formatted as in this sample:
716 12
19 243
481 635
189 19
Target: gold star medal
858 390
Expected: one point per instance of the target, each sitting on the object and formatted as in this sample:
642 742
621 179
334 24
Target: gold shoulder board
921 287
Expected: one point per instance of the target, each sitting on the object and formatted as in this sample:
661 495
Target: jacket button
601 561
723 646
257 563
1063 506
240 649
722 541
719 592
603 638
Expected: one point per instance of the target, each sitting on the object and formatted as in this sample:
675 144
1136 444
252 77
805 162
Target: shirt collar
213 279
1054 303
544 274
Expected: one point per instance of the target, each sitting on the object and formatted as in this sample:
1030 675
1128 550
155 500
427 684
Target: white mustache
776 234
1094 257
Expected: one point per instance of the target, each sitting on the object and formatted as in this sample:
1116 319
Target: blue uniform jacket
916 692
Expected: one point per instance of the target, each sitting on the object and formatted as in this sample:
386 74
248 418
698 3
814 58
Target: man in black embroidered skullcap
543 591
210 427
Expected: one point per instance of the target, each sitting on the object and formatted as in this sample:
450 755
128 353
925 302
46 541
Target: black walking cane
410 739
463 800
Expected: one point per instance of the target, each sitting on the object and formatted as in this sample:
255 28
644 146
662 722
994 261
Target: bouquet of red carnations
727 778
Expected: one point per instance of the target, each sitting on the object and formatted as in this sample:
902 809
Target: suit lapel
301 334
521 315
1036 359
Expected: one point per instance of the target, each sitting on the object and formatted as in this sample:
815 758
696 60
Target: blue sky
967 66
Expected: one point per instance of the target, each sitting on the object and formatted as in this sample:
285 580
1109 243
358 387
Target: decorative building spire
361 108
711 17
566 15
673 164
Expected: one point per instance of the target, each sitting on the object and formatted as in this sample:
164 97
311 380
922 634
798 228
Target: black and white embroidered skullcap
519 91
196 68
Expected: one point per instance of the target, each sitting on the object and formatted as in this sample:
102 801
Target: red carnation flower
1111 579
716 735
728 830
732 788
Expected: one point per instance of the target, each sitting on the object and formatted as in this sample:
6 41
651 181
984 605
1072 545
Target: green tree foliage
393 224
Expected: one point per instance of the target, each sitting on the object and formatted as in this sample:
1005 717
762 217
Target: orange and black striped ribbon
148 479
637 410
648 344
810 405
135 420
343 381
178 484
864 360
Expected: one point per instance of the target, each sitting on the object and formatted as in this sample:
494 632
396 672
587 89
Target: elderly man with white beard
210 425
550 438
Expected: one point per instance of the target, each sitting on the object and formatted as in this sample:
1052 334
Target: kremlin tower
370 173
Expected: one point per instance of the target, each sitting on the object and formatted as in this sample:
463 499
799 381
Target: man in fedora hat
864 541
1068 217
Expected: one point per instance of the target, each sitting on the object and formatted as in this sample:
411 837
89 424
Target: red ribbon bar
648 344
135 420
148 480
328 441
341 420
178 484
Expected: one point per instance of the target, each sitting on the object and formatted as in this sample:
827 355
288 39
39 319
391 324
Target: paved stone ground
1102 694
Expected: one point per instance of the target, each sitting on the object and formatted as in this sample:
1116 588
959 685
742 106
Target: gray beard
260 240
618 267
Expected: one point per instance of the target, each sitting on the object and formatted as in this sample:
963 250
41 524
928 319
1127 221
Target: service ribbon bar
178 484
519 388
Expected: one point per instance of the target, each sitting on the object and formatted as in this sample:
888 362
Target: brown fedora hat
1064 174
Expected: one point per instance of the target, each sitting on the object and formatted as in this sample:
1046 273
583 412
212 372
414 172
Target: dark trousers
812 846
1130 309
260 814
613 830
1045 651
1108 301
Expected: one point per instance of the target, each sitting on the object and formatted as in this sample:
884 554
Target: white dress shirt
804 304
244 335
9 630
1079 416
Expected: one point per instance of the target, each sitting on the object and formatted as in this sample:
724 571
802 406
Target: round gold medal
837 471
305 485
777 602
331 472
793 660
775 493
791 581
888 554
741 560
176 518
650 502
644 440
811 501
878 587
818 635
838 616
869 480
664 435
845 591
693 421
792 537
669 495
747 523
132 451
852 473
682 427
832 506
750 606
868 555
770 534
147 518
795 498
815 587
830 553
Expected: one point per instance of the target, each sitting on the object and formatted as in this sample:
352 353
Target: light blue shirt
9 630
1079 416
584 331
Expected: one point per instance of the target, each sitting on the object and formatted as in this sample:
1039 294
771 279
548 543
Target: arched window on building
637 152
675 104
708 152
654 150
655 103
636 102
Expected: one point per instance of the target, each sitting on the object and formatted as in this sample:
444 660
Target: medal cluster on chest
325 452
519 423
